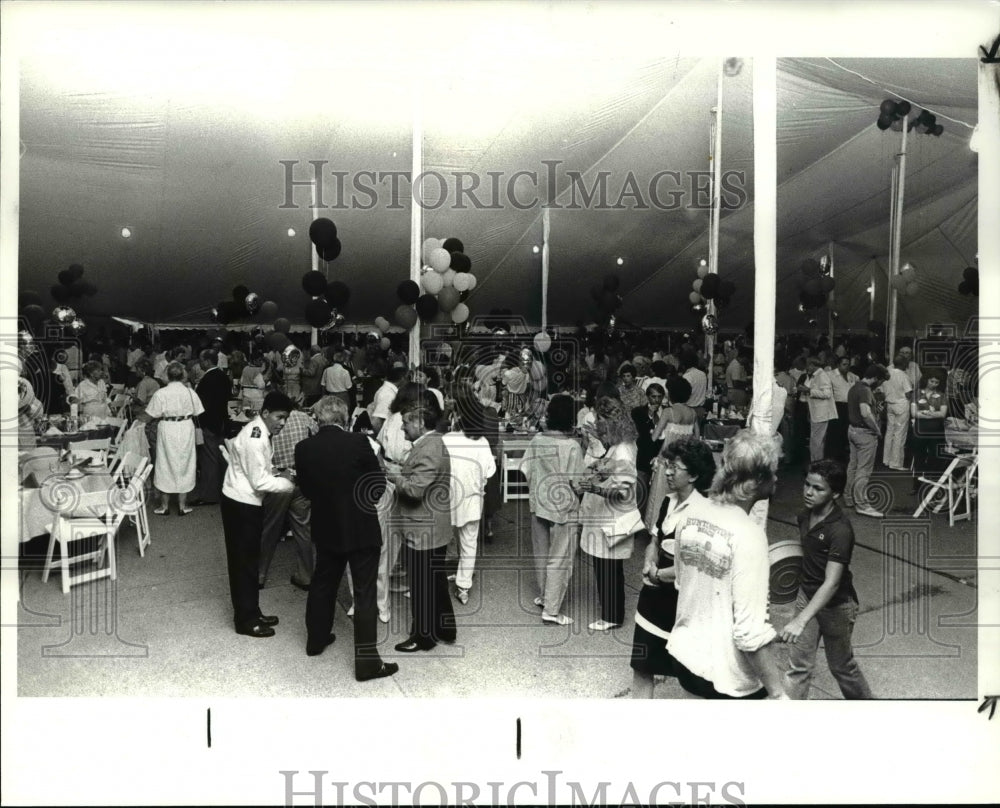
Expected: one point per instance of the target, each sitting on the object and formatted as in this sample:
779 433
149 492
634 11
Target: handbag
199 436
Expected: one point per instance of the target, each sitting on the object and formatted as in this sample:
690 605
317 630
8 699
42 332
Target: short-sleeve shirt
832 539
860 394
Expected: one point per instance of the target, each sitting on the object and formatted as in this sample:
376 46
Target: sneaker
462 594
383 616
558 619
452 577
603 625
350 612
864 510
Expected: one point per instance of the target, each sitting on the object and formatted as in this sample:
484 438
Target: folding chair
134 503
512 487
956 486
92 517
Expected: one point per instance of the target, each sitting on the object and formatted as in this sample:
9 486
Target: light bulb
291 232
126 232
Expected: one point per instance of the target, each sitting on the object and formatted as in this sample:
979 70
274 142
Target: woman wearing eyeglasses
688 468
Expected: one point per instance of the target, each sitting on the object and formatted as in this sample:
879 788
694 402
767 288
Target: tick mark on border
518 739
208 728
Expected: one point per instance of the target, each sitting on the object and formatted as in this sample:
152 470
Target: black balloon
329 252
903 109
318 312
76 270
66 277
78 288
965 287
888 107
710 286
29 297
876 327
338 293
314 283
884 122
408 292
460 262
60 293
611 283
453 245
323 233
240 292
596 292
810 268
427 307
970 273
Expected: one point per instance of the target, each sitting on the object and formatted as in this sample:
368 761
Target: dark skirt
658 605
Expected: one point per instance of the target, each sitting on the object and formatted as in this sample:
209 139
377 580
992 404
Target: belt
176 417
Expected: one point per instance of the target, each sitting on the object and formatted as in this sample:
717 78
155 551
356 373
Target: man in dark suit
214 391
339 473
423 518
645 419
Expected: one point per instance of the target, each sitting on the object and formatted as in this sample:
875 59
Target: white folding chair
954 488
512 487
124 466
93 516
135 503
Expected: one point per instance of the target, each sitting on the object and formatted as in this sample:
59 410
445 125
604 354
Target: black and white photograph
459 402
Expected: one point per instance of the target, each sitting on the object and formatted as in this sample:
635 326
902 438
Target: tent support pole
713 241
546 224
416 220
832 299
314 332
897 247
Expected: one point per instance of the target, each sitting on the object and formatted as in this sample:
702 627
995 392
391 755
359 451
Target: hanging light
536 249
620 261
291 232
126 232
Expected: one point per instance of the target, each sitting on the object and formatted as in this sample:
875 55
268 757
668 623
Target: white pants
390 550
897 417
468 541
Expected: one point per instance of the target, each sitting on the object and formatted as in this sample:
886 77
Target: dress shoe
256 630
383 616
299 585
315 649
413 644
387 669
267 620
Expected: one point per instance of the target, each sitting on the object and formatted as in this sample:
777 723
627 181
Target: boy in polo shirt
827 604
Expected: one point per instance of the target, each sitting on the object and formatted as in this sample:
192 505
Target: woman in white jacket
472 464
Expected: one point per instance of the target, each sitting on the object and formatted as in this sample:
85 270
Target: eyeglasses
673 466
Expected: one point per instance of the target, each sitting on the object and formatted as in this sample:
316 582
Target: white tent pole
897 246
832 299
546 224
871 292
713 244
416 219
314 332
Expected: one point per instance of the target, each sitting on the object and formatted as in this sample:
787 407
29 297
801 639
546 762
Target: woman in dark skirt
688 468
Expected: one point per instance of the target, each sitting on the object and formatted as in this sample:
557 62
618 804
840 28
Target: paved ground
164 629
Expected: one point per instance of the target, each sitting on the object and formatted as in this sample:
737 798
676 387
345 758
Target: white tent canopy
181 137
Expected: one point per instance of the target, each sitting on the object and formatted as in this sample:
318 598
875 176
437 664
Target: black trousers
211 468
837 447
609 575
433 615
323 599
243 525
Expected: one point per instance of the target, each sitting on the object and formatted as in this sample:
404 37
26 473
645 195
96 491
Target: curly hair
749 463
696 457
614 425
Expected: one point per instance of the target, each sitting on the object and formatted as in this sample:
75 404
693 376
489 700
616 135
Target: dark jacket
213 390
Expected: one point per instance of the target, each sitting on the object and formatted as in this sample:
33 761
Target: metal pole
713 246
545 267
314 332
897 245
416 219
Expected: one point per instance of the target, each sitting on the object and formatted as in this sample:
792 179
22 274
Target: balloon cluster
970 282
444 286
606 296
326 300
906 281
72 285
244 303
815 284
708 286
323 235
893 113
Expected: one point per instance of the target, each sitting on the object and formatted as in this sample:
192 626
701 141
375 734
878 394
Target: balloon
331 251
876 327
448 298
702 270
314 282
60 293
77 327
710 324
969 273
810 269
427 307
826 284
460 262
318 312
63 315
448 277
542 341
472 282
694 297
460 314
338 293
453 245
75 271
710 286
29 297
34 313
385 343
461 281
276 341
323 232
430 245
902 109
66 277
408 292
888 107
282 325
440 259
912 288
240 292
406 316
432 282
252 302
884 122
268 309
609 302
696 285
813 287
611 283
908 273
336 319
382 324
965 287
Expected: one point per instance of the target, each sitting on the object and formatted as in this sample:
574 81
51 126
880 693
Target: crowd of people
389 472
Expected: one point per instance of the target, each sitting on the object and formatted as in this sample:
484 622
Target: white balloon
542 341
448 277
430 245
460 313
439 259
472 281
432 283
461 281
382 323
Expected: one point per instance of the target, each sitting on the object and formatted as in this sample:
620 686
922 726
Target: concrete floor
164 628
